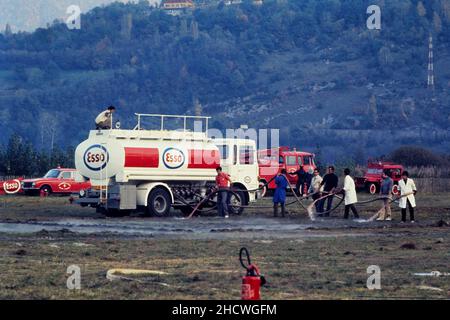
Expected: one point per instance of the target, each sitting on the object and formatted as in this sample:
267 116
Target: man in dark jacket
330 182
301 180
385 192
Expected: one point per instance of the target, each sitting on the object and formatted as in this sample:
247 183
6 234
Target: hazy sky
27 15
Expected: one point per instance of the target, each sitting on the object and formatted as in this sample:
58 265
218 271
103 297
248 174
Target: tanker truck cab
156 170
239 160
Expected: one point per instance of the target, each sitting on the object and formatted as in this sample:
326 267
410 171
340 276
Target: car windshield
52 174
375 171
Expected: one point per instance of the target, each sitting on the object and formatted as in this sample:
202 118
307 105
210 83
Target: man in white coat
407 192
350 195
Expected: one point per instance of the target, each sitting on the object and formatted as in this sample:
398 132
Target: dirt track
24 215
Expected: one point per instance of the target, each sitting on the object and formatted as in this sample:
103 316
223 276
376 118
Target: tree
421 11
437 23
417 156
8 31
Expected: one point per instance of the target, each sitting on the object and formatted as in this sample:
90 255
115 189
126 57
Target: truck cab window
291 160
224 151
246 155
281 160
300 161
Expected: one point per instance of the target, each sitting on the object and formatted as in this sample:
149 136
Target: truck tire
159 203
263 190
395 189
236 199
373 188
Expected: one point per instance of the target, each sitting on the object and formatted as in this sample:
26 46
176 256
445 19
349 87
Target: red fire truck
59 180
272 161
372 177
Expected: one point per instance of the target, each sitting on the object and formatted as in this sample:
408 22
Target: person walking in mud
350 195
408 191
386 193
279 196
315 189
223 183
301 179
330 182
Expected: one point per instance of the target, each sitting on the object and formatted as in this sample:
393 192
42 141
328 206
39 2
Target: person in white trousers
408 191
350 195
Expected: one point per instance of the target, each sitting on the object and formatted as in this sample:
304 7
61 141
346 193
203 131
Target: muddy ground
302 259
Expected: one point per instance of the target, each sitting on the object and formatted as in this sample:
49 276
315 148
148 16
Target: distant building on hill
231 2
175 7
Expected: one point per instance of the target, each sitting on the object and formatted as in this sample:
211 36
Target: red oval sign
12 186
64 186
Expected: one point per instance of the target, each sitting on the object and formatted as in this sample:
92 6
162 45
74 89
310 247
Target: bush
417 156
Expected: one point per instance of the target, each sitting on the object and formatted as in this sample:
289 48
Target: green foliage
20 158
417 156
143 60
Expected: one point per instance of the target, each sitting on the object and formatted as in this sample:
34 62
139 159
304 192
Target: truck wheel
236 199
46 189
263 189
372 188
395 189
159 203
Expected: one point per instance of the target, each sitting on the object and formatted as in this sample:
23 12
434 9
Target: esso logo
64 186
173 158
12 186
96 157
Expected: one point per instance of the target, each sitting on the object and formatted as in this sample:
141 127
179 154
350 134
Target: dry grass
328 267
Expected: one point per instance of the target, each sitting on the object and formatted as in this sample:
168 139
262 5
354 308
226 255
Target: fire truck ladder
163 117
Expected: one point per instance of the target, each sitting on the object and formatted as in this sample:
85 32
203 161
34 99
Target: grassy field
328 263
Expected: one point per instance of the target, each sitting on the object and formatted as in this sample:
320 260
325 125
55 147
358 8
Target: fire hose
309 209
311 206
235 190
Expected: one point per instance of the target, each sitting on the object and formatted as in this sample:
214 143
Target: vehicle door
291 167
66 180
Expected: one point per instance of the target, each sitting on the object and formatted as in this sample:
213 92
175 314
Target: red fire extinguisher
253 280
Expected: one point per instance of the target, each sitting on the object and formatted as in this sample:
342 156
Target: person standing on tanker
330 182
104 119
350 195
386 192
223 182
408 191
301 179
315 189
279 196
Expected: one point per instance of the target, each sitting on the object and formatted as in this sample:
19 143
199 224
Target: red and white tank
147 155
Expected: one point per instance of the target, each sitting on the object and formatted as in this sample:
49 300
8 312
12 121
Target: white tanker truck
155 170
